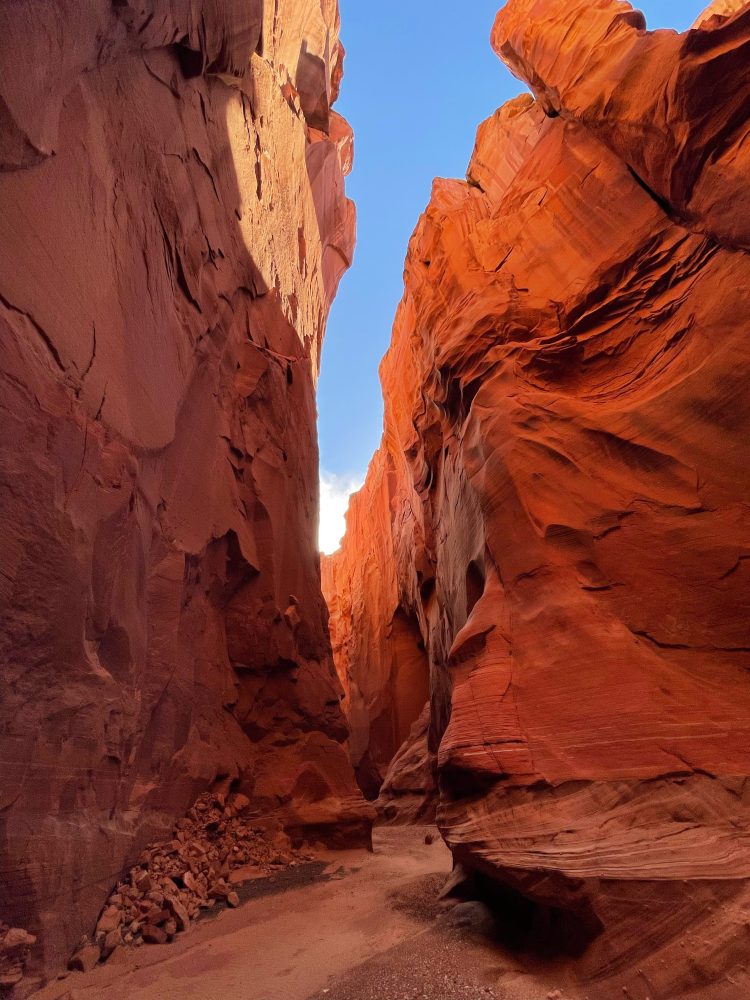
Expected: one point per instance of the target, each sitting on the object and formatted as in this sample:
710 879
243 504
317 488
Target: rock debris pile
217 846
15 943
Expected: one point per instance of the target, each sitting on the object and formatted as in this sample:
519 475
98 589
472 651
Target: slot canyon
497 745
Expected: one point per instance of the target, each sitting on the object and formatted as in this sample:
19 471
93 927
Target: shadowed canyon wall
560 500
173 227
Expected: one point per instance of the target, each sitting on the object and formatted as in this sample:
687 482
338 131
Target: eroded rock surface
409 792
377 640
560 500
173 227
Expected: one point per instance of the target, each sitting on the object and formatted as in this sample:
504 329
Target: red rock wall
409 792
173 227
561 496
378 640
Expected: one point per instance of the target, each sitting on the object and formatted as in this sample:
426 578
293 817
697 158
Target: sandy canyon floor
353 926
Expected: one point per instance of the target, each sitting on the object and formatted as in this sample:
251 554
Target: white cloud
334 500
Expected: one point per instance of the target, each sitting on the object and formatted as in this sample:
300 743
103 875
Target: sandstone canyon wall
369 627
173 227
560 503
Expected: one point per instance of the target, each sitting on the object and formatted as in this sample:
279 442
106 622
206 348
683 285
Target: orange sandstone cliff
173 227
554 536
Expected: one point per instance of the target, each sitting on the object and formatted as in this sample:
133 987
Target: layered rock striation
173 226
560 500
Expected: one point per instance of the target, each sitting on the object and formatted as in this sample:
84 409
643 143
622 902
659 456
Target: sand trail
284 945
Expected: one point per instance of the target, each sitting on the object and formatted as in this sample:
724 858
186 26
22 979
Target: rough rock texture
173 226
409 791
560 501
377 641
719 8
221 843
15 946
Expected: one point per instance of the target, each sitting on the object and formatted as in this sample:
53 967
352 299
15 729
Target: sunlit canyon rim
539 615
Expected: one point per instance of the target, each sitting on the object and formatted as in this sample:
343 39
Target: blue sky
419 80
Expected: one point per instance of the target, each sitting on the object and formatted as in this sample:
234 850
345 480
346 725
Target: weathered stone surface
560 500
222 840
173 226
644 96
85 958
409 792
154 935
111 943
377 641
15 946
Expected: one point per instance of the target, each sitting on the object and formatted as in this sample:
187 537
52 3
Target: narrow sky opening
419 80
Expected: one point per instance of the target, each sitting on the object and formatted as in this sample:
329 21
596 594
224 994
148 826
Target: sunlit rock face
173 227
720 8
560 501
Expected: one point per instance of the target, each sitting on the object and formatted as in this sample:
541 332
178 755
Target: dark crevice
688 648
43 335
523 923
661 202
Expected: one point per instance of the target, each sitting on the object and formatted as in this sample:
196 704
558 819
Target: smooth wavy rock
560 500
173 226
